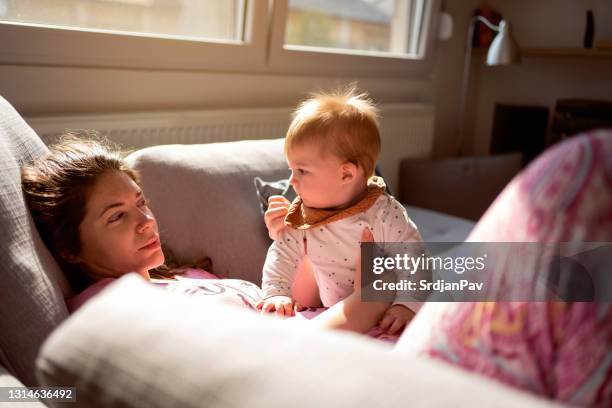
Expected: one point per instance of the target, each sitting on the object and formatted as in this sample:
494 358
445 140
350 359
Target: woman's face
119 232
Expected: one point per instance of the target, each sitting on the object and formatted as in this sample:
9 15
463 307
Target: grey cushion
267 189
205 202
181 351
31 299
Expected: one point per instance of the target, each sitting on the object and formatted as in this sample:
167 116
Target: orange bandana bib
302 217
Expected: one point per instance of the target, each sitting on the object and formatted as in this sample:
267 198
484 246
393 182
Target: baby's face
316 176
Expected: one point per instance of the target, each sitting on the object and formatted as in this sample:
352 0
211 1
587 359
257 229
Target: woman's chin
156 259
160 258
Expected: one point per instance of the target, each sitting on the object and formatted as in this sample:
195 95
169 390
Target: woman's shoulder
197 273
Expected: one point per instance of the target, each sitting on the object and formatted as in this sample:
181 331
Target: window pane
363 25
204 19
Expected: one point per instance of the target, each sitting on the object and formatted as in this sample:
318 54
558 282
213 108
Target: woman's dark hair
56 187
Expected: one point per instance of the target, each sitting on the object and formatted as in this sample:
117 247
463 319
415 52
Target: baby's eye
143 202
115 217
301 172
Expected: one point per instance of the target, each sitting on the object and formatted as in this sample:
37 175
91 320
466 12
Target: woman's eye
143 203
115 217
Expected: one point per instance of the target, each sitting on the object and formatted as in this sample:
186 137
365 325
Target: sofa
135 345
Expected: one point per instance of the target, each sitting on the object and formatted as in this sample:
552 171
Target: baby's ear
350 171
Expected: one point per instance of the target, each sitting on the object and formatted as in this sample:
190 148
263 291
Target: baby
332 146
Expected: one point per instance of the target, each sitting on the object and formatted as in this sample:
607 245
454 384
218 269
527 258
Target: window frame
29 44
333 61
262 49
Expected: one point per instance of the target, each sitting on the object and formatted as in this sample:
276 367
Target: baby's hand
395 318
282 305
278 207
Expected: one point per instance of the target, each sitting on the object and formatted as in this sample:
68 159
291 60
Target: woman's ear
349 172
70 257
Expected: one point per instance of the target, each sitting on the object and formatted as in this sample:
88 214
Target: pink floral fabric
558 350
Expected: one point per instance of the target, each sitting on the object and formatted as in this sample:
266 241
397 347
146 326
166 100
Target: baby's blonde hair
344 122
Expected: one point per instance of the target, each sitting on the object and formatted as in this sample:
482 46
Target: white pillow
135 345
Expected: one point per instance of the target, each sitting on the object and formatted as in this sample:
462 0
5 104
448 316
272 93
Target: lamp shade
504 50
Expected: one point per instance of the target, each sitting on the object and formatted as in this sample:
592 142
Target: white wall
447 75
537 80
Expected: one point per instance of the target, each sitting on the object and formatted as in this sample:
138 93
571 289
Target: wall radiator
407 129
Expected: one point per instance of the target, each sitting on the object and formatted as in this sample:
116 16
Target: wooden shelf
567 52
557 52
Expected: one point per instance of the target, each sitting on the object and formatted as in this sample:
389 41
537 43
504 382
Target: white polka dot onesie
334 250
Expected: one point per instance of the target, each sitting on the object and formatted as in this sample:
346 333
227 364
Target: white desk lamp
503 51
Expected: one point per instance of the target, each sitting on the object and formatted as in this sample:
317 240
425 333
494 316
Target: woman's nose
146 222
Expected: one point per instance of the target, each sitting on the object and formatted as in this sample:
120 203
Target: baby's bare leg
305 290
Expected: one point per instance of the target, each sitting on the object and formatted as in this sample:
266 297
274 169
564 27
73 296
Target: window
353 37
384 26
192 35
315 37
221 20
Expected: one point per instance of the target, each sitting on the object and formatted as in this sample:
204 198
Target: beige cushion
205 202
31 301
181 351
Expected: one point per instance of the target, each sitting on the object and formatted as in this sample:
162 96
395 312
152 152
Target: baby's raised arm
279 271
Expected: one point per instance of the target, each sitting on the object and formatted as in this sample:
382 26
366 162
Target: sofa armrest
177 350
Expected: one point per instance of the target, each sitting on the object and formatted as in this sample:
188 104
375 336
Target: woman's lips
153 244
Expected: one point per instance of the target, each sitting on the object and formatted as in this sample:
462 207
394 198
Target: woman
93 216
